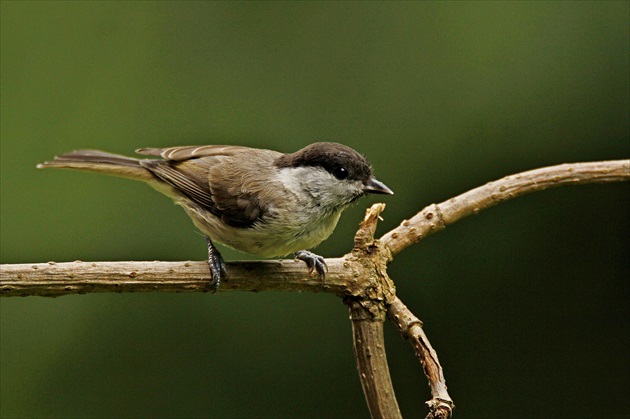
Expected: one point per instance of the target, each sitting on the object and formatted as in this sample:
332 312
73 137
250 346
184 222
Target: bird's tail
100 162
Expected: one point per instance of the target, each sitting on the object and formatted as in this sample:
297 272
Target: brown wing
188 177
241 190
220 181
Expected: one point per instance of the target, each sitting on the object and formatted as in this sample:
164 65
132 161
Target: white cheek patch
309 182
318 186
296 179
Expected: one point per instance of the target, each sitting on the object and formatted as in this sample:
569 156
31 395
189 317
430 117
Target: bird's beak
375 186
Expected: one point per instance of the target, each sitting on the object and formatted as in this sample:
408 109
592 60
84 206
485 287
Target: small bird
258 201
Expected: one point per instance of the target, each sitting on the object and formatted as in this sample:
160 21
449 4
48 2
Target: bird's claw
218 272
216 265
313 261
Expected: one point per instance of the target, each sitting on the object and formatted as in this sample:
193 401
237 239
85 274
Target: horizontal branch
55 279
436 217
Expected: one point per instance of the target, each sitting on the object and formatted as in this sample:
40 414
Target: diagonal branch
436 217
441 405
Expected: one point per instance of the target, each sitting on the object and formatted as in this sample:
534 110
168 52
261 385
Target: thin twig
441 405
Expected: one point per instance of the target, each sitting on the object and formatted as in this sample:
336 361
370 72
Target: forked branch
359 277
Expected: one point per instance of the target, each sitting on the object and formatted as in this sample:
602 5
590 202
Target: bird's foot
217 266
313 261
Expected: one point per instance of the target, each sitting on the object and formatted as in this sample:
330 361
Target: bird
258 201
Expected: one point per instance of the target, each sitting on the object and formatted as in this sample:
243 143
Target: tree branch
369 352
56 279
360 277
436 217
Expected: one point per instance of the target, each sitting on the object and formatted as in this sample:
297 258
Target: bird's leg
313 261
217 266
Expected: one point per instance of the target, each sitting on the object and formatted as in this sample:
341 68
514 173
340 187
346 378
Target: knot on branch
373 290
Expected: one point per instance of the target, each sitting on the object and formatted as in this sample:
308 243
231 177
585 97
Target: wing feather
189 182
189 152
217 179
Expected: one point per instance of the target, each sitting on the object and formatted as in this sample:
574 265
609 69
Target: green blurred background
526 304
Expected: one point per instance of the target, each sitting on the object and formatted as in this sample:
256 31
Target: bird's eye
340 172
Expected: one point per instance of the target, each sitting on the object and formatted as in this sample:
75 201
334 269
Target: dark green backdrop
526 304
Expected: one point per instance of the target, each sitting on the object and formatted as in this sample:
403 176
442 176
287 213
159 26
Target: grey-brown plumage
258 201
215 178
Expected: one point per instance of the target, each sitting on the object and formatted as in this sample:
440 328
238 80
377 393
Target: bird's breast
281 232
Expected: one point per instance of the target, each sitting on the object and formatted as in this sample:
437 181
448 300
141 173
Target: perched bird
257 201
